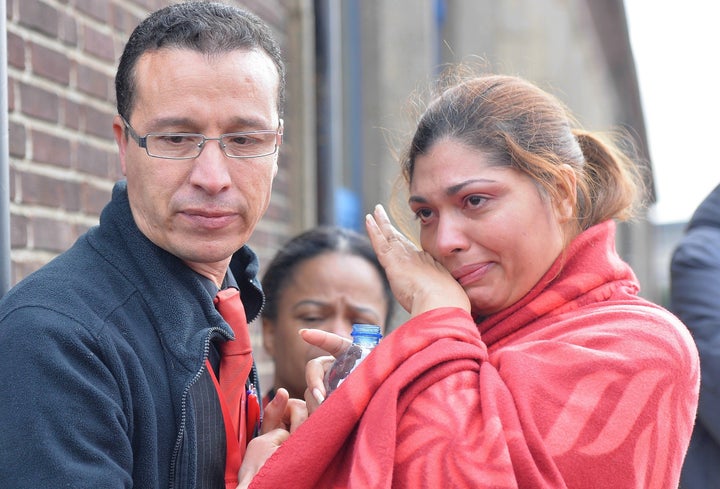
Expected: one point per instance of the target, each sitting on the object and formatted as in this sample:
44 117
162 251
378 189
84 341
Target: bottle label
342 367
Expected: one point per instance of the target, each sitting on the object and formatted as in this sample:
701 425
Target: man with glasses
113 354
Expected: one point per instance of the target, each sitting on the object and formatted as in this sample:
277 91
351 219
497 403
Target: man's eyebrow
248 123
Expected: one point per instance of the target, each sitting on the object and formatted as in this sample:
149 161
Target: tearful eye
423 214
476 200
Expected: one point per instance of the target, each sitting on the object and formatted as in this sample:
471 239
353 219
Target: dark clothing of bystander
695 299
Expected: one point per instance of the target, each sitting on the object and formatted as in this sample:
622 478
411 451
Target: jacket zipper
183 406
254 377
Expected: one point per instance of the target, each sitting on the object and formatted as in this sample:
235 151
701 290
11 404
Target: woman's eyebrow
452 190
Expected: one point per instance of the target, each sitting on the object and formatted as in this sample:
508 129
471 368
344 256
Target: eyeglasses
186 146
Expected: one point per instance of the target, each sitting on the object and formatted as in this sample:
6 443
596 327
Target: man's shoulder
76 283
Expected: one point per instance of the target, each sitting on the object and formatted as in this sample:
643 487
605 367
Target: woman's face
488 225
331 291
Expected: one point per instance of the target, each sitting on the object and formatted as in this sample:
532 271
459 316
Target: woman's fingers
418 281
314 378
377 238
330 342
315 369
385 238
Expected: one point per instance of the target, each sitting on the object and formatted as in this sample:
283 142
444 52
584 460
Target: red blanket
582 385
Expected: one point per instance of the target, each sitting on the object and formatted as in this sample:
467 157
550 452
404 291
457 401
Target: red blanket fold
366 406
590 387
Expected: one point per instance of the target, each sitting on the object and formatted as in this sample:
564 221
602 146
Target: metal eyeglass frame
142 141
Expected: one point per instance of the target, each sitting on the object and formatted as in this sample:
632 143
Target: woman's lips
468 274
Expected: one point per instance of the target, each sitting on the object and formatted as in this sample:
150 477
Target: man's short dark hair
206 27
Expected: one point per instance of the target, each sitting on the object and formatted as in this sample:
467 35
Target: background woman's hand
315 369
418 281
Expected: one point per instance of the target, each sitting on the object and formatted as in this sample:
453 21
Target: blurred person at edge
326 278
695 298
529 360
108 352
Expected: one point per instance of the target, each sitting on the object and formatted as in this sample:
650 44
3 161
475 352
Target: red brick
94 199
92 160
71 196
93 82
37 102
52 235
94 9
71 114
17 139
68 30
40 190
47 148
11 95
18 231
150 5
12 184
39 16
98 44
22 270
15 51
50 64
122 19
99 123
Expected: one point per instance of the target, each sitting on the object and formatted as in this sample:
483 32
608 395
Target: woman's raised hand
418 281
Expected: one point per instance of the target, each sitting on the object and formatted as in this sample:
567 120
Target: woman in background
326 278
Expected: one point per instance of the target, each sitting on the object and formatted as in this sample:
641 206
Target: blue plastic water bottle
365 338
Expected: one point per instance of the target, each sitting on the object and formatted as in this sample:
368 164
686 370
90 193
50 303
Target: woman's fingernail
318 395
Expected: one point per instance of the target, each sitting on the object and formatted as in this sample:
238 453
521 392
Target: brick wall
62 57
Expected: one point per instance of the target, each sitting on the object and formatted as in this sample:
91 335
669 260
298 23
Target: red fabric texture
582 384
235 365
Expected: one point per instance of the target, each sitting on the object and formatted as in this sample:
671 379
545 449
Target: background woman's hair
315 242
515 123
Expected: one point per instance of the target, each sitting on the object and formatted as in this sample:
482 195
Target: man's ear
120 139
281 130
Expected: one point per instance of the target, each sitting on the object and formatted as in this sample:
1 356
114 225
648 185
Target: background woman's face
329 292
488 225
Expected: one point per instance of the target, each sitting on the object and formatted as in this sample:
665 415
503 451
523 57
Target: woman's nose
341 327
451 235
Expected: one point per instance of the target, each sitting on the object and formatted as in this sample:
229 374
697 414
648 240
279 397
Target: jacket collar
179 306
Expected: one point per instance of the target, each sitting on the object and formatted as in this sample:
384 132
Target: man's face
204 209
